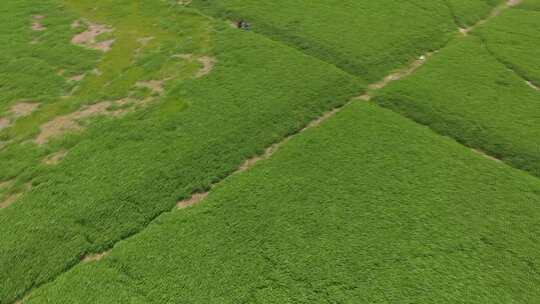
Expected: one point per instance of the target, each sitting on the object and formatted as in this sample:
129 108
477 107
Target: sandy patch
76 78
76 24
36 23
207 65
70 122
9 200
155 86
23 109
193 200
4 123
88 38
5 184
184 2
55 158
94 257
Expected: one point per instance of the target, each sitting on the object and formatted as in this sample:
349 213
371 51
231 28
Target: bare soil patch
4 123
70 122
76 78
9 200
193 200
22 109
94 257
36 23
55 158
155 86
88 38
207 65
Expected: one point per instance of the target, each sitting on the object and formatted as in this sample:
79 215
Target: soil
208 65
69 122
23 109
154 85
9 200
193 200
55 158
88 38
36 23
4 123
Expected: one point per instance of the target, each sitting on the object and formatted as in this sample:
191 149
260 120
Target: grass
513 39
364 38
369 207
469 12
466 93
121 173
36 65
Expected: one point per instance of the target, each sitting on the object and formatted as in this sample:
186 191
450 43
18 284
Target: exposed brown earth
55 158
4 123
207 65
22 109
94 257
9 200
194 199
155 86
69 122
88 38
76 77
36 23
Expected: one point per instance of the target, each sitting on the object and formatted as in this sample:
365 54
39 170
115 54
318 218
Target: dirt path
494 13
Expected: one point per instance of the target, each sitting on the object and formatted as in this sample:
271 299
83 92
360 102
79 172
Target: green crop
369 207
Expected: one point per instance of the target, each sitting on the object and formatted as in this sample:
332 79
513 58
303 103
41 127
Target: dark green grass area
469 12
369 207
514 38
365 38
125 172
464 92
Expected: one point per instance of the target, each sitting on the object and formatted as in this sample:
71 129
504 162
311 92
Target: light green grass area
369 207
36 66
122 172
469 12
465 93
364 38
513 38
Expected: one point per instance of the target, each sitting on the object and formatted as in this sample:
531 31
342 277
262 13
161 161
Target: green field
325 221
466 93
341 151
510 38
